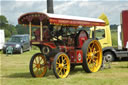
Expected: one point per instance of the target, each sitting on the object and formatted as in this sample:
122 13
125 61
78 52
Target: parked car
19 43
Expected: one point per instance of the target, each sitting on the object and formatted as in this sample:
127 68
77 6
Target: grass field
15 71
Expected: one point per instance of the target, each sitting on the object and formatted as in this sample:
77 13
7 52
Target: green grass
15 71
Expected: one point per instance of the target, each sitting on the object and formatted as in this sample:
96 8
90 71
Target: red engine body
75 52
72 45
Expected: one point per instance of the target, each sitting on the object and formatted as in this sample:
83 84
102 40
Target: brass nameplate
35 42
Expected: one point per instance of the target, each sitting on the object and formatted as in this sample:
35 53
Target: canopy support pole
30 31
41 31
94 32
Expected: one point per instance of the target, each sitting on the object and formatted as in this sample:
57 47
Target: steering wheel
52 33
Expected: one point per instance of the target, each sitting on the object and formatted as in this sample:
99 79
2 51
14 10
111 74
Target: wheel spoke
93 50
89 49
37 71
39 59
90 66
64 70
61 59
65 64
64 60
95 57
61 73
34 67
97 52
60 70
94 63
41 70
35 61
93 45
65 67
57 63
89 61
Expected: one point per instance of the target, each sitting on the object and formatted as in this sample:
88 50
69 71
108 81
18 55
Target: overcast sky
12 9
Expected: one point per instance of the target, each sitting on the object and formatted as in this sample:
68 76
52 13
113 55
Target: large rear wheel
92 55
37 65
61 65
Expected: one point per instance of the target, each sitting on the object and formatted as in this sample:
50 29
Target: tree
8 28
22 29
3 20
12 29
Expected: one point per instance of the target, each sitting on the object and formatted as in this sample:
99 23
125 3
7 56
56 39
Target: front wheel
38 67
92 55
61 65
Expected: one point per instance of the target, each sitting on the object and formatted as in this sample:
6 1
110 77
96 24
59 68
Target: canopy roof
36 17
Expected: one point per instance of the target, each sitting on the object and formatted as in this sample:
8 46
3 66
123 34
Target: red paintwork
82 38
76 56
66 48
79 56
72 56
125 27
50 44
26 18
74 22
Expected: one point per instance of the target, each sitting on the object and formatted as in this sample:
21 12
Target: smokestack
50 6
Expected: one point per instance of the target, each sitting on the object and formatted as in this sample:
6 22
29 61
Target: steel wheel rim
39 66
94 56
62 66
108 57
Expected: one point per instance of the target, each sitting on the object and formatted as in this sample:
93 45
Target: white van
2 39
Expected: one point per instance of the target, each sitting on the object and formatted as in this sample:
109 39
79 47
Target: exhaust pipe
50 6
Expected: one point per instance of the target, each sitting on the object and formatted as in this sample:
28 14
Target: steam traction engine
62 44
